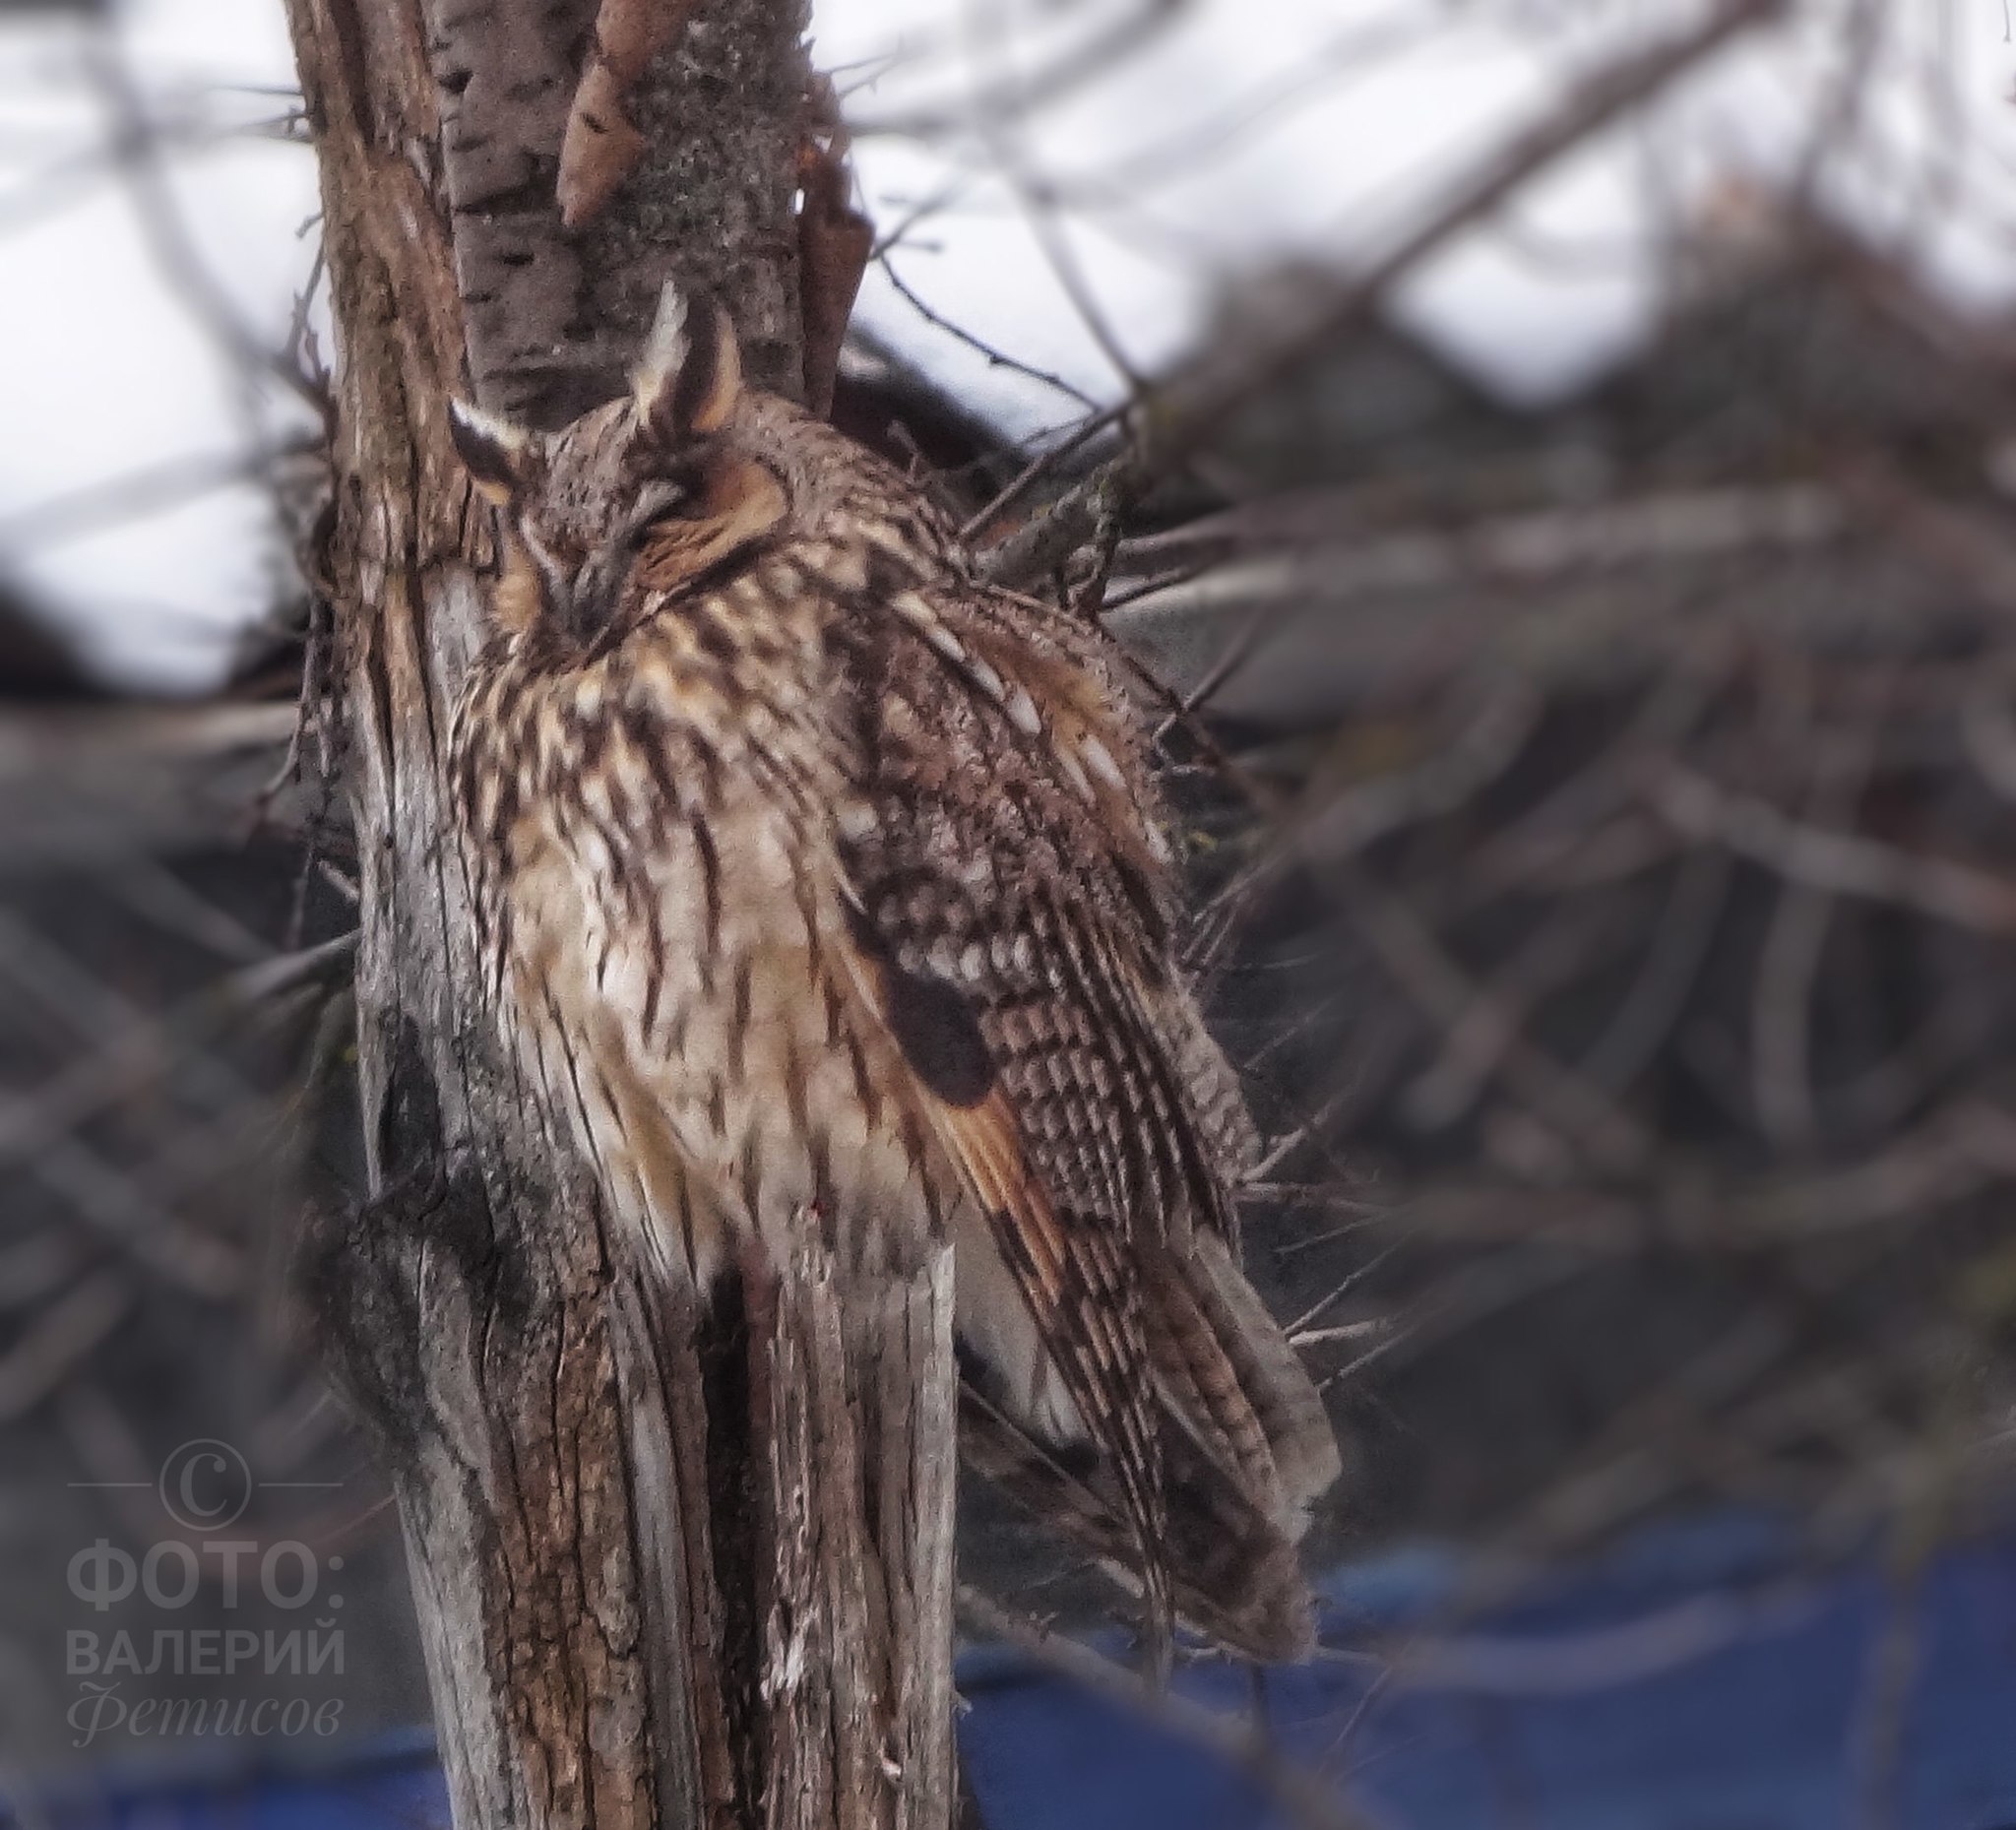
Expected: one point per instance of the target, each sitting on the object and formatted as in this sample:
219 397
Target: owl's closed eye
635 498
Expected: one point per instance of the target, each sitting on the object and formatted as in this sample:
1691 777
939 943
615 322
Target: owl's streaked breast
659 909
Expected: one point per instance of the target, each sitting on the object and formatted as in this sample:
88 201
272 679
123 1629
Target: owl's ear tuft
496 454
691 374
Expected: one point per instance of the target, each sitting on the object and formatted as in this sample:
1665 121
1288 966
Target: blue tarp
1700 1678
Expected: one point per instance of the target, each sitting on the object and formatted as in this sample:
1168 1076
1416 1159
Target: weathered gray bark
554 318
673 1567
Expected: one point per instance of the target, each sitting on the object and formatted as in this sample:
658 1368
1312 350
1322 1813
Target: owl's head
645 493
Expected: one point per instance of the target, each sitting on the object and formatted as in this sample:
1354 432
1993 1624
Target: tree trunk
673 1567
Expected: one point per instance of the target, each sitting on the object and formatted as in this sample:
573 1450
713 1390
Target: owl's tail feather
1232 1573
1228 1372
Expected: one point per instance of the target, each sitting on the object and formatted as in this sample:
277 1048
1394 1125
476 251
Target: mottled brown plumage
820 884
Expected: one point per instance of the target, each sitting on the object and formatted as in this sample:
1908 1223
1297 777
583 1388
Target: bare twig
1306 1798
159 216
1185 418
1837 861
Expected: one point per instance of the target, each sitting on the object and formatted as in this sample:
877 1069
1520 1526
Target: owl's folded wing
1004 936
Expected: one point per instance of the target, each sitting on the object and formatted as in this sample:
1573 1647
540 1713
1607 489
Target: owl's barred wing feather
1068 1261
1011 936
1230 1574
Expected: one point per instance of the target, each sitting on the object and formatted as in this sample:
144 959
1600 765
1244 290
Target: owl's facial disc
648 488
595 593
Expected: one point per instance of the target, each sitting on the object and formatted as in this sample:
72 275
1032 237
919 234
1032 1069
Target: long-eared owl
821 883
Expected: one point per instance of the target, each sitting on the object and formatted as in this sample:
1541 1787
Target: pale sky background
1313 125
